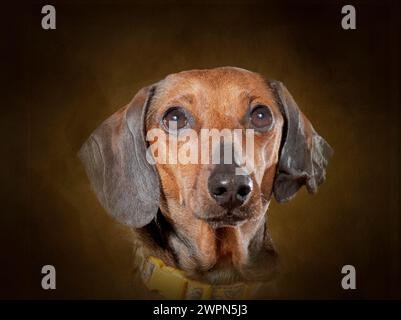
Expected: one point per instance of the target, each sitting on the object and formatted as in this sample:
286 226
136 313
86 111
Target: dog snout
228 189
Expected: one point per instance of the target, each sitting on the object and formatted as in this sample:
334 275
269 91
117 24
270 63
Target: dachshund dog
205 219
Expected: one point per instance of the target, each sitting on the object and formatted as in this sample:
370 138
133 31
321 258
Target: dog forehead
221 77
223 83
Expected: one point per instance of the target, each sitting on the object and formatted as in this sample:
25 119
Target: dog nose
229 189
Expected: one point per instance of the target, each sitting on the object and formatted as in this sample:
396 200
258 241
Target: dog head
135 158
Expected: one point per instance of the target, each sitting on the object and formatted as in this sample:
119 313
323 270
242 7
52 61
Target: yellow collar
171 283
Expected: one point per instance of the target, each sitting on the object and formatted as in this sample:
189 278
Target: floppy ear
304 154
114 157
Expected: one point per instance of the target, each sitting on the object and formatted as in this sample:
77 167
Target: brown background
59 85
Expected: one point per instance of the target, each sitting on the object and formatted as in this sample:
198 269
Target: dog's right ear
114 157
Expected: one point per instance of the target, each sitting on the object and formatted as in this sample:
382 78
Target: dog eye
261 117
175 119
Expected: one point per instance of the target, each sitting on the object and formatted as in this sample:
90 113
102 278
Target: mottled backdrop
57 87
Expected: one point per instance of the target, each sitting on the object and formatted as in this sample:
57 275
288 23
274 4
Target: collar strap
172 283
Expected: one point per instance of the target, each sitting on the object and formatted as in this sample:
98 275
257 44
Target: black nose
227 188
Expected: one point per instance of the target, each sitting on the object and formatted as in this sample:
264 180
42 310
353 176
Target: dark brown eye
175 119
261 117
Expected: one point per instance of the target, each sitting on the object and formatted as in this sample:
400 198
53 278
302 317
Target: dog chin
229 220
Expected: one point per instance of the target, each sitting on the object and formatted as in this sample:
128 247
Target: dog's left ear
304 154
114 157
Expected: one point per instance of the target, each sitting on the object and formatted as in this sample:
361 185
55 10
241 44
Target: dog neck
222 256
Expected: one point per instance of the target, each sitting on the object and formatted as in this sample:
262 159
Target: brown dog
203 218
